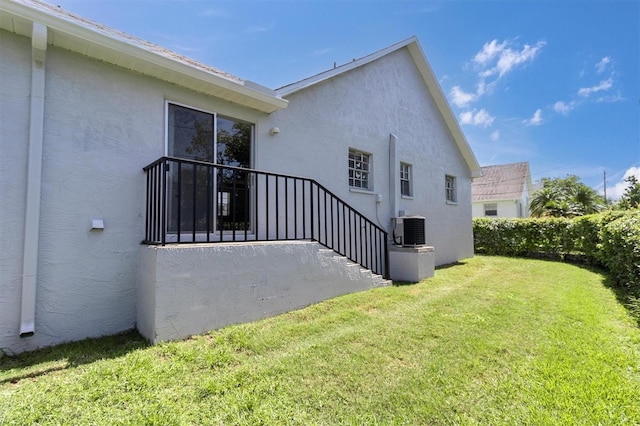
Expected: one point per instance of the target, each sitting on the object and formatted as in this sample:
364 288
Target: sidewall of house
102 125
360 109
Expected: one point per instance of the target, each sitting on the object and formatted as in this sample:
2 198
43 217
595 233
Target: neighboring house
502 191
87 108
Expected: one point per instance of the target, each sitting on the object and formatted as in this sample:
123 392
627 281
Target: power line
604 180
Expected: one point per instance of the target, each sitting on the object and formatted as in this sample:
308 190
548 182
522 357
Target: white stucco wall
102 125
360 109
190 289
506 208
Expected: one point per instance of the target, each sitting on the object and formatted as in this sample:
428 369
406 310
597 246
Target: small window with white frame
406 189
450 189
491 210
360 170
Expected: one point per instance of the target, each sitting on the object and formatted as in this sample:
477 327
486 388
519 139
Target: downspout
34 181
393 176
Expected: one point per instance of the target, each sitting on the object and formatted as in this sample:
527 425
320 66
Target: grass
489 341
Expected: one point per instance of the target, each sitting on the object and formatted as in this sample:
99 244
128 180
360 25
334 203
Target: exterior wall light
97 224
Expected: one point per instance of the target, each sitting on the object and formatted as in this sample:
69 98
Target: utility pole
605 186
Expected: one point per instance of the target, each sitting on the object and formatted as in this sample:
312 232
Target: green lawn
489 341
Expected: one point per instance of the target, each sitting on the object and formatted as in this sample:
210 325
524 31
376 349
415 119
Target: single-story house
142 189
503 190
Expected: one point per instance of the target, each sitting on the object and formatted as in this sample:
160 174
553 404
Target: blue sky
554 83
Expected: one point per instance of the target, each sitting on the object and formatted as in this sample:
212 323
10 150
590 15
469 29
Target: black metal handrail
199 202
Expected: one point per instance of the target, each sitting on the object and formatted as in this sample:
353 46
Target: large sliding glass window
202 198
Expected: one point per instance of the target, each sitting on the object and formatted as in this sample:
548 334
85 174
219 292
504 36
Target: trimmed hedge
610 239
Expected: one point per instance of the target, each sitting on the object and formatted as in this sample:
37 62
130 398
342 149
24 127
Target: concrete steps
352 270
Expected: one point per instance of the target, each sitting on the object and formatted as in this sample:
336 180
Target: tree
631 197
566 197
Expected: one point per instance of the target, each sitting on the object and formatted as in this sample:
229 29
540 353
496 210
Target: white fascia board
141 57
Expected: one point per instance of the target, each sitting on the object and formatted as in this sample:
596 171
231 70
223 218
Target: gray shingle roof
501 182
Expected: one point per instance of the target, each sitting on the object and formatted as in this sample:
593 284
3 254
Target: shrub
620 249
523 237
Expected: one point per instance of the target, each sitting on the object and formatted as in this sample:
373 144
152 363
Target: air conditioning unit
409 231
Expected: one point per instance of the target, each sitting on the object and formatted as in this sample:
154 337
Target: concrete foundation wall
186 290
411 264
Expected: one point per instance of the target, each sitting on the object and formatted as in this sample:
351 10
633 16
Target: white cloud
536 120
495 135
461 98
603 85
602 65
479 118
466 117
611 98
494 59
507 58
563 108
481 88
618 189
489 51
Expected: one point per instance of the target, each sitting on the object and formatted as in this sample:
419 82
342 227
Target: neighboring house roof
501 182
83 36
420 60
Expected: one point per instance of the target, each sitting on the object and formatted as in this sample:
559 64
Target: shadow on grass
404 283
627 298
446 266
69 355
451 265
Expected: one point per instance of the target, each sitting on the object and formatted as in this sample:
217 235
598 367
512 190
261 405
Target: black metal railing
198 202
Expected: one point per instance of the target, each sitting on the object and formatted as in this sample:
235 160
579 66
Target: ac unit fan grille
414 232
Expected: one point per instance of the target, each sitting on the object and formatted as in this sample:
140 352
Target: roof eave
495 200
86 40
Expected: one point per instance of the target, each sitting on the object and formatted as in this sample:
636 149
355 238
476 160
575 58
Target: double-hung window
450 188
360 170
491 209
405 180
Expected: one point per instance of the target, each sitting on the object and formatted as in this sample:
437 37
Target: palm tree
566 197
543 202
586 201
